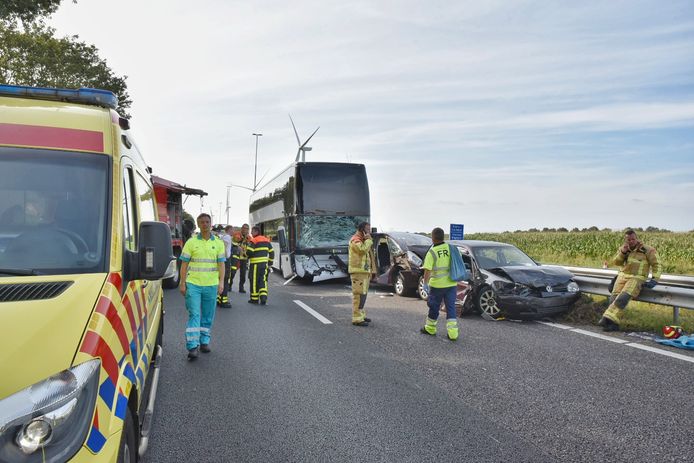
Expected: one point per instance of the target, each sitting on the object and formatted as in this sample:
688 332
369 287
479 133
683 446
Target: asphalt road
280 385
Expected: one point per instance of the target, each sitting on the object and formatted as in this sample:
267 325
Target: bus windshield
333 188
315 231
53 212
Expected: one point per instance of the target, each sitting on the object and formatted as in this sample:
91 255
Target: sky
499 115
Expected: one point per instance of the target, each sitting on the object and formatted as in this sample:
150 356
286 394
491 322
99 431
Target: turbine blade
298 142
309 138
298 154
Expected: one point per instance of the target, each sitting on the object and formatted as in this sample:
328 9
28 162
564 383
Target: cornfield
591 249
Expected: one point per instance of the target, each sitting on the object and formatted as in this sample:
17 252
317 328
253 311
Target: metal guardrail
672 290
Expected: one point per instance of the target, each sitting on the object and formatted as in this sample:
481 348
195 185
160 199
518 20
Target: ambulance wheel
127 453
170 283
486 302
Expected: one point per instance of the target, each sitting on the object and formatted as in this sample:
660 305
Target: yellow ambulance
82 255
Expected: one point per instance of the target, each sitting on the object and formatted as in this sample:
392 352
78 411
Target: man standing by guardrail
637 261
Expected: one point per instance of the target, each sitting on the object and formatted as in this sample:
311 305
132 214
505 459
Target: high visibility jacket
637 264
203 256
361 255
438 261
260 250
242 242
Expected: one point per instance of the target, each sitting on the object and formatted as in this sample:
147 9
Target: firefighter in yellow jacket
637 261
260 257
362 266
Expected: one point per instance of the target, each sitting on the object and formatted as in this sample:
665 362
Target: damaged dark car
504 281
399 256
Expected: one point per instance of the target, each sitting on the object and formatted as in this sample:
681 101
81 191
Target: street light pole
255 169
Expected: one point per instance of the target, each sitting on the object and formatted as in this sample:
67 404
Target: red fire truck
169 196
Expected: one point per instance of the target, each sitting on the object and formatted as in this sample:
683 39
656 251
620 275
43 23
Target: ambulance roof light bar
90 96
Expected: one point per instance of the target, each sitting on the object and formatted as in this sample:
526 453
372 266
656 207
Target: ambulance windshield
53 212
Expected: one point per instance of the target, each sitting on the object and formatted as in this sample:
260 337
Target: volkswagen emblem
549 288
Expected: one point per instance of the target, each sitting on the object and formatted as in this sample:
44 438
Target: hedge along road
283 385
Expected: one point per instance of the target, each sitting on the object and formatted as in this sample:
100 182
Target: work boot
193 353
252 301
610 325
205 348
225 305
424 331
367 320
361 323
263 300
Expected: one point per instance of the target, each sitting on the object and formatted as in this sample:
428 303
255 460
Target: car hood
536 277
40 337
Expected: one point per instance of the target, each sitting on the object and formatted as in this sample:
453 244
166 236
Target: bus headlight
53 415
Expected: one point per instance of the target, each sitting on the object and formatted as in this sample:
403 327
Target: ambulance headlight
49 420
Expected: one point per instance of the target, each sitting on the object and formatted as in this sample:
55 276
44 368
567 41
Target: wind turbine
301 153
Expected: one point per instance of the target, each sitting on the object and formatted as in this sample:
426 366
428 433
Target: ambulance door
147 213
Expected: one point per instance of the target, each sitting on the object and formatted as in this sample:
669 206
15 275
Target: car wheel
423 295
128 442
486 302
399 286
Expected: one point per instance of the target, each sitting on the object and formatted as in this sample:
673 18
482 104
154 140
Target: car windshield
326 231
411 239
53 212
489 257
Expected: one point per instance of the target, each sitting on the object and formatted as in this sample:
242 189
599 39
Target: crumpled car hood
537 277
421 251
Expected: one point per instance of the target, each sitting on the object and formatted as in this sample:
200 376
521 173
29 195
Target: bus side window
129 229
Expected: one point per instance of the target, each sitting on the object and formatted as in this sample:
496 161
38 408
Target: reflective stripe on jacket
638 264
438 261
361 256
260 250
203 256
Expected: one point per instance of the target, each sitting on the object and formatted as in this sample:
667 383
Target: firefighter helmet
672 331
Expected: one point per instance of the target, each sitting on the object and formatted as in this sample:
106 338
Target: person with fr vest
260 257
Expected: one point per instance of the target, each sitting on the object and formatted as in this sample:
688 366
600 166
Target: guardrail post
675 315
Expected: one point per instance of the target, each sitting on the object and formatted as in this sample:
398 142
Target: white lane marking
601 336
557 325
308 309
655 350
686 358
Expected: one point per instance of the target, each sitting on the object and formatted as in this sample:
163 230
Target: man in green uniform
637 261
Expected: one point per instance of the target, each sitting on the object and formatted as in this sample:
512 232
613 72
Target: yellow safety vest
438 261
202 257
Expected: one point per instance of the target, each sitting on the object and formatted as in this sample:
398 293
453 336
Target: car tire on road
423 295
400 288
486 302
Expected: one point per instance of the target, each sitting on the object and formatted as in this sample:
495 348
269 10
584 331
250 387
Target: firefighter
223 299
241 240
637 261
202 279
362 268
260 256
439 285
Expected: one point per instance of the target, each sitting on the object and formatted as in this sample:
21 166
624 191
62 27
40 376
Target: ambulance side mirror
154 251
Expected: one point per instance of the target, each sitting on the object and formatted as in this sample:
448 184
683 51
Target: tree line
31 54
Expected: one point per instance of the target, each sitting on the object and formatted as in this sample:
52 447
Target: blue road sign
457 231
